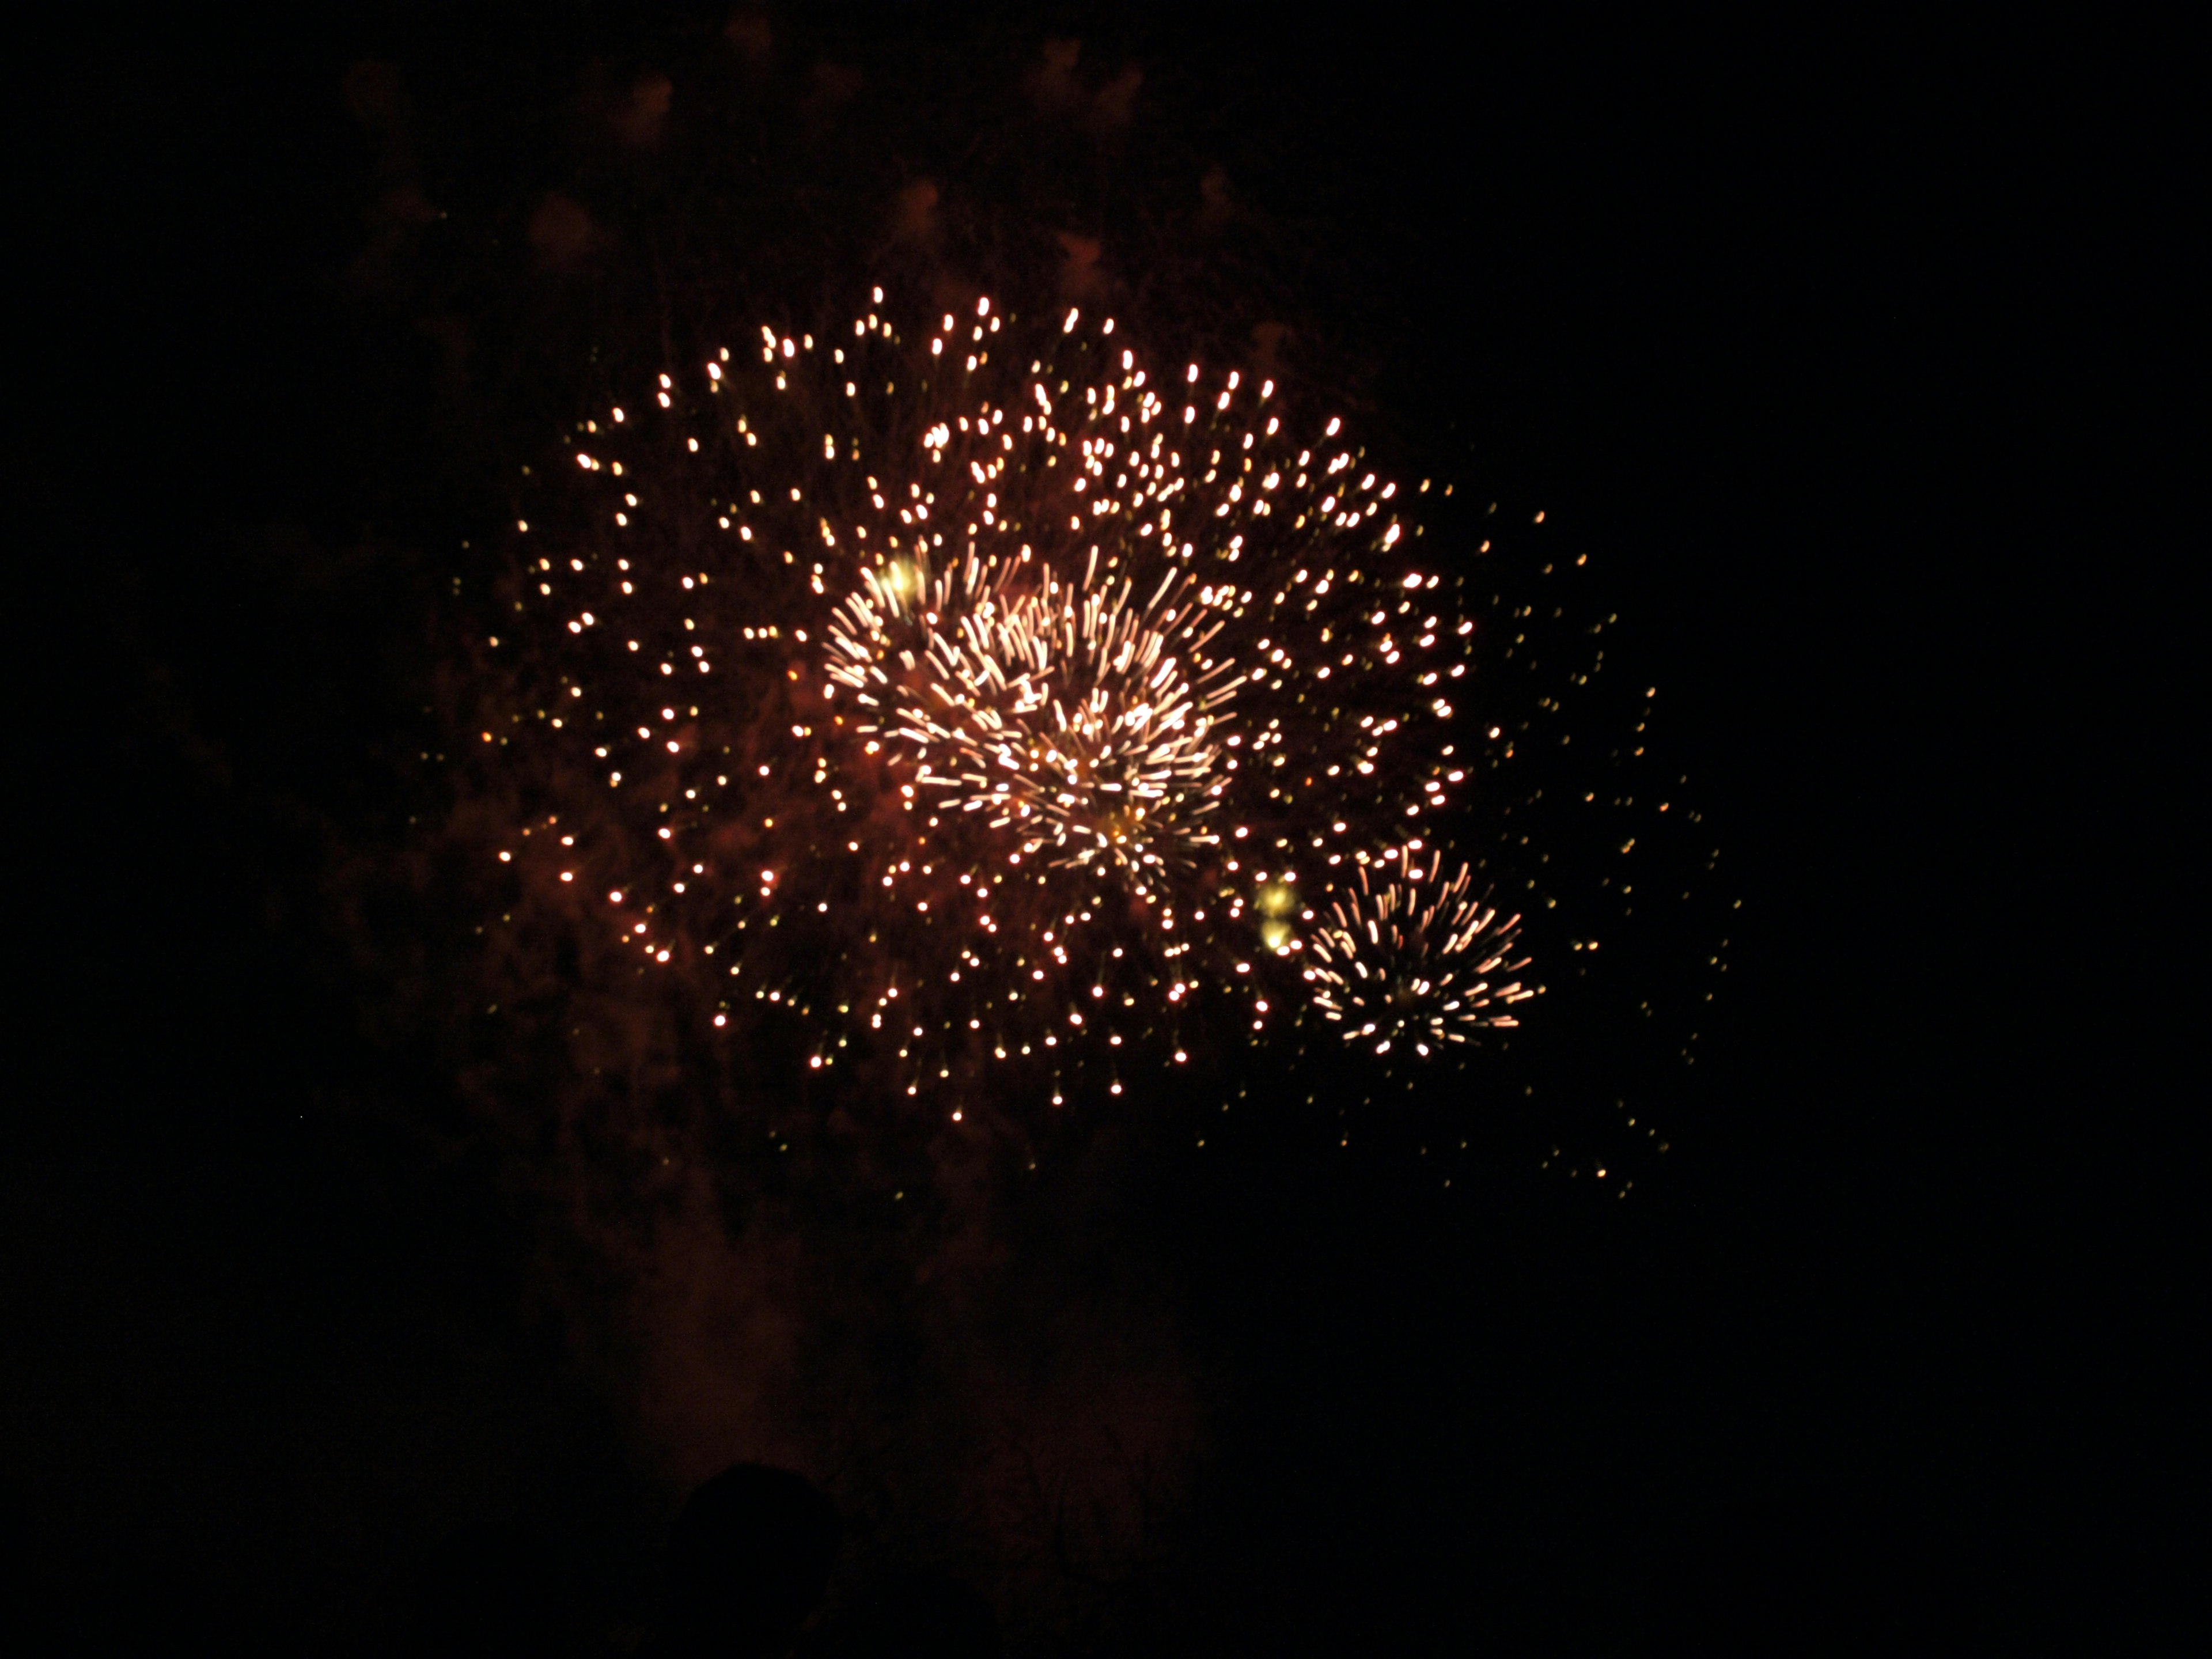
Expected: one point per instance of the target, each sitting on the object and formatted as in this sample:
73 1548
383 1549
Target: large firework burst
999 712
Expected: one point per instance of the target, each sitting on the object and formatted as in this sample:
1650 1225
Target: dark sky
1763 322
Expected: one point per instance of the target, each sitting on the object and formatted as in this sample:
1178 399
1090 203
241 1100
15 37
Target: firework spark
996 711
1413 958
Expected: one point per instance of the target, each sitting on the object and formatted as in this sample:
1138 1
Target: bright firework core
1009 721
1061 710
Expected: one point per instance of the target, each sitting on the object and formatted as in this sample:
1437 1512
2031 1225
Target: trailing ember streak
993 712
1413 957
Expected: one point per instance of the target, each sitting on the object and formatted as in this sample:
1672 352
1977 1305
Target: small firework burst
1413 958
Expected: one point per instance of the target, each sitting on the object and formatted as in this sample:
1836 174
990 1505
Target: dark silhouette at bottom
916 1615
748 1559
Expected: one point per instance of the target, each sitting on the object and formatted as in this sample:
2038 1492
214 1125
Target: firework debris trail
973 713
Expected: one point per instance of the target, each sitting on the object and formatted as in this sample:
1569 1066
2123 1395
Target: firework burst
1414 958
1063 709
1001 715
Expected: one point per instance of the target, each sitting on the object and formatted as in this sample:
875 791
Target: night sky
304 1352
